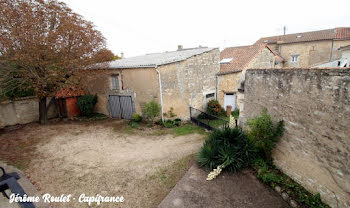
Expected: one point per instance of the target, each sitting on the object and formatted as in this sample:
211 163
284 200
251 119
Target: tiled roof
330 34
155 59
241 57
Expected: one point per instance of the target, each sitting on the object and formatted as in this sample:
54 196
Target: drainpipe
160 92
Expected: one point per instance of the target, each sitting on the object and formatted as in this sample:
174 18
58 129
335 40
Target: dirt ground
100 158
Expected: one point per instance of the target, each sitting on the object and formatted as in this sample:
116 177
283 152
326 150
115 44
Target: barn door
120 106
126 104
114 106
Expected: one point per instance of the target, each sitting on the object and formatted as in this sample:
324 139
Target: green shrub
235 113
177 122
152 110
169 124
134 124
226 146
86 104
214 108
136 117
264 134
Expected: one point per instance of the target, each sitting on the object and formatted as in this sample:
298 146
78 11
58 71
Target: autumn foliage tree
42 46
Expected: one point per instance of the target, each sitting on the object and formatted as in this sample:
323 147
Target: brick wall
315 105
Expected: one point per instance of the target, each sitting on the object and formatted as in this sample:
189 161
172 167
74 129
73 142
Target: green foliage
169 124
136 117
86 104
152 110
264 134
134 124
226 146
214 108
235 113
172 123
270 175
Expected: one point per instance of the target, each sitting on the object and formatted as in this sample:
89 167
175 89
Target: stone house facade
176 79
309 49
234 62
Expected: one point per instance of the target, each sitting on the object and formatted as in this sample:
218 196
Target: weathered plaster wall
310 53
186 83
140 83
315 105
22 111
227 83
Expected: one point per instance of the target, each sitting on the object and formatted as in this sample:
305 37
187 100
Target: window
226 60
295 58
299 36
115 82
265 41
210 95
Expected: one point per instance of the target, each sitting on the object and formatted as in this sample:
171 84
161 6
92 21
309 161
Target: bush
86 104
264 134
134 124
136 117
214 108
177 122
152 110
235 113
169 124
226 146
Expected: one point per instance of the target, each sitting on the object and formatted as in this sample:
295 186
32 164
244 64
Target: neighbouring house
344 61
176 79
309 49
234 61
67 98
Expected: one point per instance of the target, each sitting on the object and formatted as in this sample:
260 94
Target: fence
206 120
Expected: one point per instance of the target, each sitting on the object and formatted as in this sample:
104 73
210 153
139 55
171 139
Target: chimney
121 55
179 47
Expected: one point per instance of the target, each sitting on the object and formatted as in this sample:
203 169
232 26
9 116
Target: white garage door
230 99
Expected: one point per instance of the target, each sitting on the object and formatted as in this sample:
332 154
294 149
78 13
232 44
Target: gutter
160 91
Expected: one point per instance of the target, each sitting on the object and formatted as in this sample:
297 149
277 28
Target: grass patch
188 129
216 123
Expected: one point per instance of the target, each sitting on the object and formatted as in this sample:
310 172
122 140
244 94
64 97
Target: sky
137 27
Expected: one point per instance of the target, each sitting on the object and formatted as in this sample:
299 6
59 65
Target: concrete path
239 190
28 187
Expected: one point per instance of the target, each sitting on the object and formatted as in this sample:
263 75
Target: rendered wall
315 105
22 111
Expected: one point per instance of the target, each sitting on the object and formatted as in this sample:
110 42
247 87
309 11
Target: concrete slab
238 190
28 187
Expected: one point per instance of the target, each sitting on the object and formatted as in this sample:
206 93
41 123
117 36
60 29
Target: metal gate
120 106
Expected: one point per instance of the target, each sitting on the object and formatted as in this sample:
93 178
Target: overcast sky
148 26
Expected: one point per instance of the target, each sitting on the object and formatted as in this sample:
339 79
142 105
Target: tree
42 46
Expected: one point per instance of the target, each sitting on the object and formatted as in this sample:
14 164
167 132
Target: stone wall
315 105
188 82
22 111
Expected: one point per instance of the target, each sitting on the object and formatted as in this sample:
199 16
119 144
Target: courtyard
102 157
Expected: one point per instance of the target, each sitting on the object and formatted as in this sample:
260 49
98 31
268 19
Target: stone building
176 79
309 49
233 64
